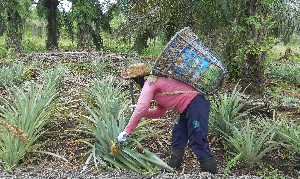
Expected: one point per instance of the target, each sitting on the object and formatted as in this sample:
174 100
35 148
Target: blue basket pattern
187 59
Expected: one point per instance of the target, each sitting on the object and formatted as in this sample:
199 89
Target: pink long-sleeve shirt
151 90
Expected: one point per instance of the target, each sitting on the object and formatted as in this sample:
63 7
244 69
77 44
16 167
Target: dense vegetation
45 50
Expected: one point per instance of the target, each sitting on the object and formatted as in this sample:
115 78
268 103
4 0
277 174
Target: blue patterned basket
187 59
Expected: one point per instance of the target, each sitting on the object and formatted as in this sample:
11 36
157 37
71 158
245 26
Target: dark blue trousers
192 128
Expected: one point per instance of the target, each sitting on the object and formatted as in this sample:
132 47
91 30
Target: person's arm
143 104
157 112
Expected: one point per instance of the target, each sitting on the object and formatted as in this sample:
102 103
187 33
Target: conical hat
136 70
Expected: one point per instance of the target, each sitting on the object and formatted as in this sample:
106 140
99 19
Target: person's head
137 73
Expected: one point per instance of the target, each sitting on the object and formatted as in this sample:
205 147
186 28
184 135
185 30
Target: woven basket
187 59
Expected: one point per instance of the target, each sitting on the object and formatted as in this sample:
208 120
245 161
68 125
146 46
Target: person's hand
122 137
132 107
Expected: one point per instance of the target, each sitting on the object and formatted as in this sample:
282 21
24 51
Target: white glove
122 137
132 107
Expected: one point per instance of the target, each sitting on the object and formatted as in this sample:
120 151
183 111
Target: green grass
67 44
3 52
154 48
2 40
116 44
282 95
36 44
284 69
113 44
278 51
33 44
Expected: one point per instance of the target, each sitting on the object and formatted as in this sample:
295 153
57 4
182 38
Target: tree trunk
96 34
52 26
101 22
14 32
2 26
170 31
140 42
85 34
253 69
97 39
104 21
80 36
253 74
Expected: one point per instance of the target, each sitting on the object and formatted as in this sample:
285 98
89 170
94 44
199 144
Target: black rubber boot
176 158
209 165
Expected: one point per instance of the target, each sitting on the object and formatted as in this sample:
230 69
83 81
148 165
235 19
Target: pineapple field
63 101
61 111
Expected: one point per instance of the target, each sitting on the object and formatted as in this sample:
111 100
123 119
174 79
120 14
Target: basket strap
177 92
183 92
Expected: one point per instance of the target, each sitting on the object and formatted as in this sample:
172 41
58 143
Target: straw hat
136 70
